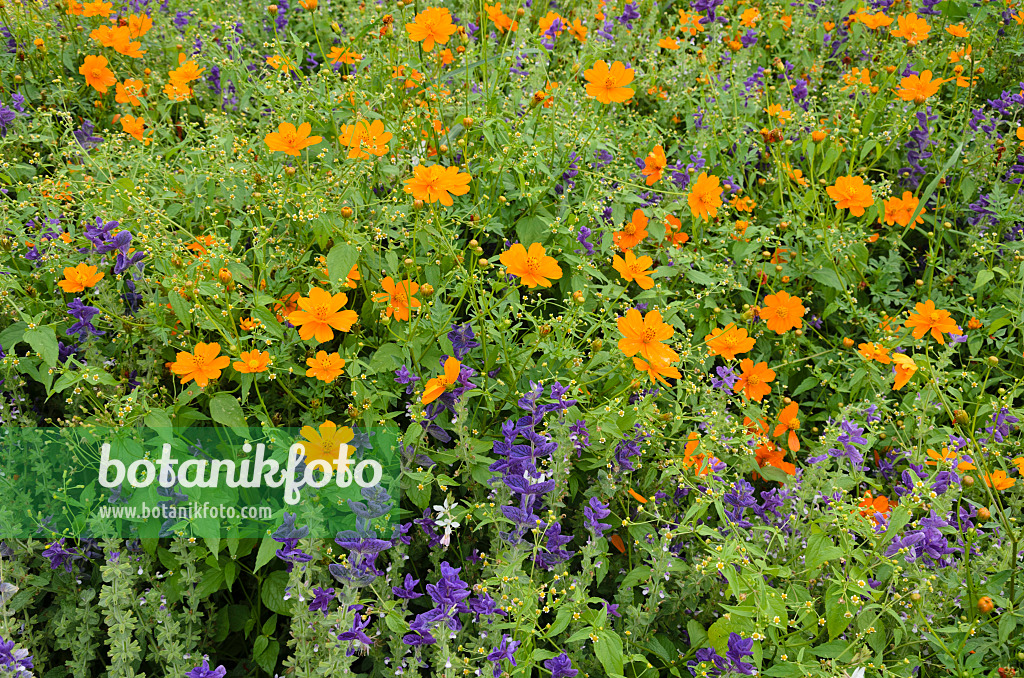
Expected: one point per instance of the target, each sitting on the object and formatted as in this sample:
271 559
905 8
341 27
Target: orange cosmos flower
365 138
998 480
96 73
701 464
875 352
129 92
668 43
634 268
319 313
851 193
873 21
433 24
501 22
913 29
80 277
927 318
782 312
252 362
654 165
705 197
135 127
290 139
438 385
139 25
905 369
177 91
399 297
343 56
754 380
325 367
655 371
202 365
918 88
632 233
644 334
437 184
578 31
728 341
674 233
325 444
872 506
608 85
900 210
789 421
958 31
187 71
281 63
532 266
948 456
97 8
771 455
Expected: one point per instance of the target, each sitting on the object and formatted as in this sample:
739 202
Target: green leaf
340 261
268 547
700 278
984 277
829 278
224 409
1007 623
43 341
820 549
272 593
608 649
12 335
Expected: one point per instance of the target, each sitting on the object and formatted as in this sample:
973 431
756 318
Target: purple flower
204 671
84 315
85 137
7 116
463 340
16 663
560 667
739 648
449 589
356 635
505 650
59 556
629 13
321 600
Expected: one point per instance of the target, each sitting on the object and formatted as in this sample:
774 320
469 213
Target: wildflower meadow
548 338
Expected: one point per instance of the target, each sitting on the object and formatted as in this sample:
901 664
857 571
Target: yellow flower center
781 311
935 316
533 263
253 363
648 335
754 379
611 83
629 229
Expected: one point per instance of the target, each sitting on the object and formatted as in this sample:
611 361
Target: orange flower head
927 318
96 73
654 165
325 443
901 210
655 371
252 362
202 365
632 232
290 139
399 297
674 233
437 184
911 28
705 197
438 385
634 268
789 421
875 352
129 92
340 55
644 334
432 25
905 369
873 21
608 84
80 277
365 139
851 193
782 312
135 126
754 380
918 88
998 480
325 366
532 266
320 314
728 341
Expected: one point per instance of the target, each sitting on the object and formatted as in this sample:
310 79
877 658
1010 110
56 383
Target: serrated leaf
43 341
340 261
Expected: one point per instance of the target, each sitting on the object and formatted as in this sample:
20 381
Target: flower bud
427 290
224 275
346 212
271 9
961 417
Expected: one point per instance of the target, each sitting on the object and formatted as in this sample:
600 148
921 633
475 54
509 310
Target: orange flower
249 324
918 88
437 184
875 352
80 277
139 25
364 139
352 277
912 28
608 85
998 480
927 318
187 71
290 139
325 367
974 324
905 369
532 266
788 421
252 362
948 456
634 268
644 334
343 56
177 91
135 127
654 165
578 31
873 21
655 371
319 313
96 73
632 233
438 385
501 22
754 380
97 8
129 92
958 31
639 497
851 193
771 455
701 464
782 312
871 507
674 233
728 341
668 43
325 444
900 210
202 365
399 297
705 197
433 24
281 63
